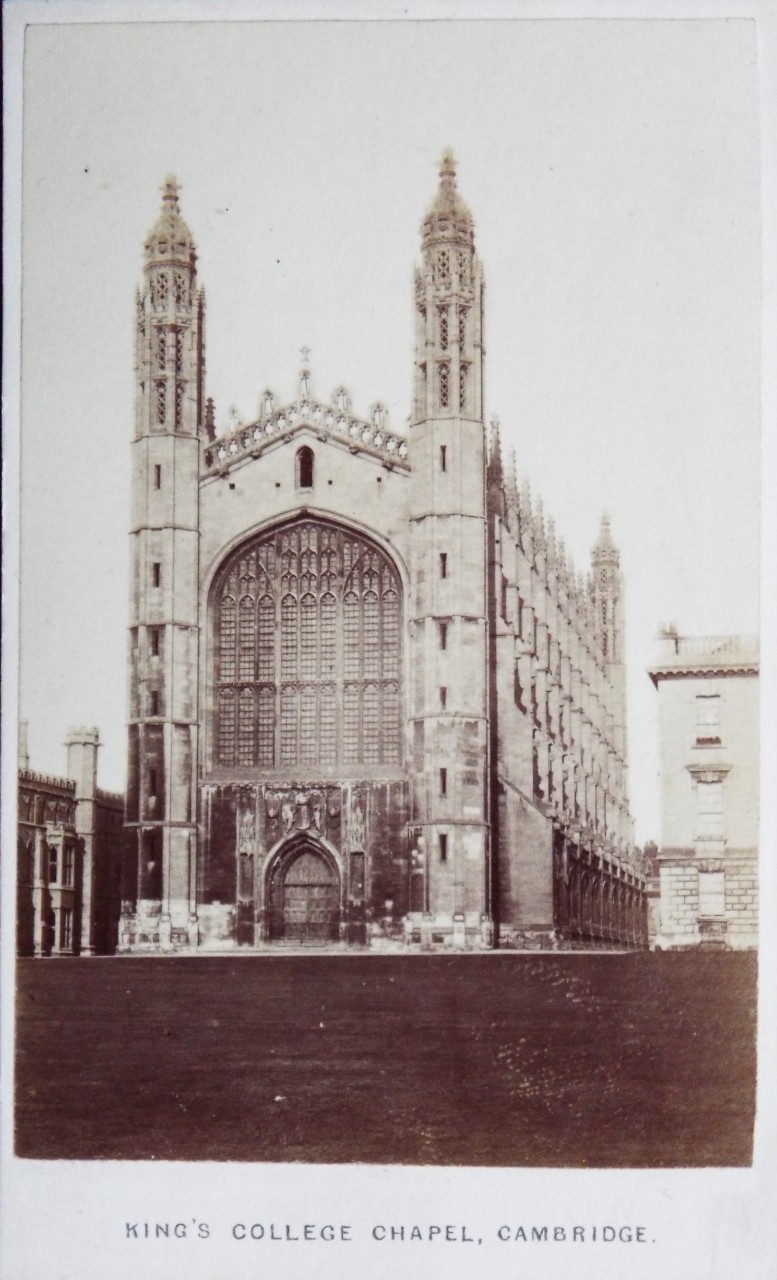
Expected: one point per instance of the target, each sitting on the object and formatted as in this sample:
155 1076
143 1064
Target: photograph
384 576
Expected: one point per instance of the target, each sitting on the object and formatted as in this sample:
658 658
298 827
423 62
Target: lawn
508 1059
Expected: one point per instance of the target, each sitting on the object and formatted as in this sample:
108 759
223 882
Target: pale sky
612 170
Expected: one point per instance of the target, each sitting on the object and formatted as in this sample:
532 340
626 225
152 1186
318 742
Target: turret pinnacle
605 550
449 217
169 238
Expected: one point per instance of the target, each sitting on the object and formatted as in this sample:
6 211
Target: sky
612 170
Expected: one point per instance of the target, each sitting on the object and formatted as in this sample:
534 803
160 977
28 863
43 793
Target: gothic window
179 286
305 462
161 402
245 727
265 729
178 405
462 326
443 457
161 349
178 351
161 289
227 632
463 265
308 644
67 865
443 328
462 387
53 867
443 267
227 722
246 659
444 385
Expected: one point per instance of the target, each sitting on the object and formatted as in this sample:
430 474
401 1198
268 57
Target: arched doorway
305 897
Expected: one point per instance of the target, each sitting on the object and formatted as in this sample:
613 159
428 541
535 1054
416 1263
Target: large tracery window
308 651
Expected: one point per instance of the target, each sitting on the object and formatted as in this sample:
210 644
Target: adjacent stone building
371 700
708 724
69 855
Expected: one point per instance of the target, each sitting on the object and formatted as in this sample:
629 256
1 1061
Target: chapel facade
371 700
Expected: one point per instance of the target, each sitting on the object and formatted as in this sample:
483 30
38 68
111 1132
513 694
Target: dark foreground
637 1060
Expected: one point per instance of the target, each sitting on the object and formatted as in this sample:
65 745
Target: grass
535 1060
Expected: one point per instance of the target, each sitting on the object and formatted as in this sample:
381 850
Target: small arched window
305 462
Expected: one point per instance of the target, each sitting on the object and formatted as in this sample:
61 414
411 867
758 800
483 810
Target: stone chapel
371 701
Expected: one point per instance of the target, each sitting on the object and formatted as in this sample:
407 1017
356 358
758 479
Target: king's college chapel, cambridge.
371 700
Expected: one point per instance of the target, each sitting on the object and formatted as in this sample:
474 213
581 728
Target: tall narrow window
245 727
178 351
152 781
443 564
444 376
178 405
712 893
161 349
443 782
503 602
246 639
443 846
443 457
53 864
67 865
710 809
443 328
462 387
462 326
265 729
156 574
708 719
161 402
67 928
153 641
443 696
157 476
305 461
154 703
443 635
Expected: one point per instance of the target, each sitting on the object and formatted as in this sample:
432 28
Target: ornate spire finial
170 192
170 236
448 166
449 217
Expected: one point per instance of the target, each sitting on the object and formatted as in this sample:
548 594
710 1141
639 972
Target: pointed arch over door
304 896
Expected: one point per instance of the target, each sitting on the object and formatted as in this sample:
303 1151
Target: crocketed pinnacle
448 217
605 550
169 236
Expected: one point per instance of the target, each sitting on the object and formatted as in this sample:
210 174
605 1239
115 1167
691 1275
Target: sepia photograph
383 835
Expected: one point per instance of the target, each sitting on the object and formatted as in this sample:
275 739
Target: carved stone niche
357 820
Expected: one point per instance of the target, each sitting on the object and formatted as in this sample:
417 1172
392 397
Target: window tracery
444 386
308 651
161 402
462 387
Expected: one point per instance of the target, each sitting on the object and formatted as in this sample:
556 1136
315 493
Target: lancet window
307 651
